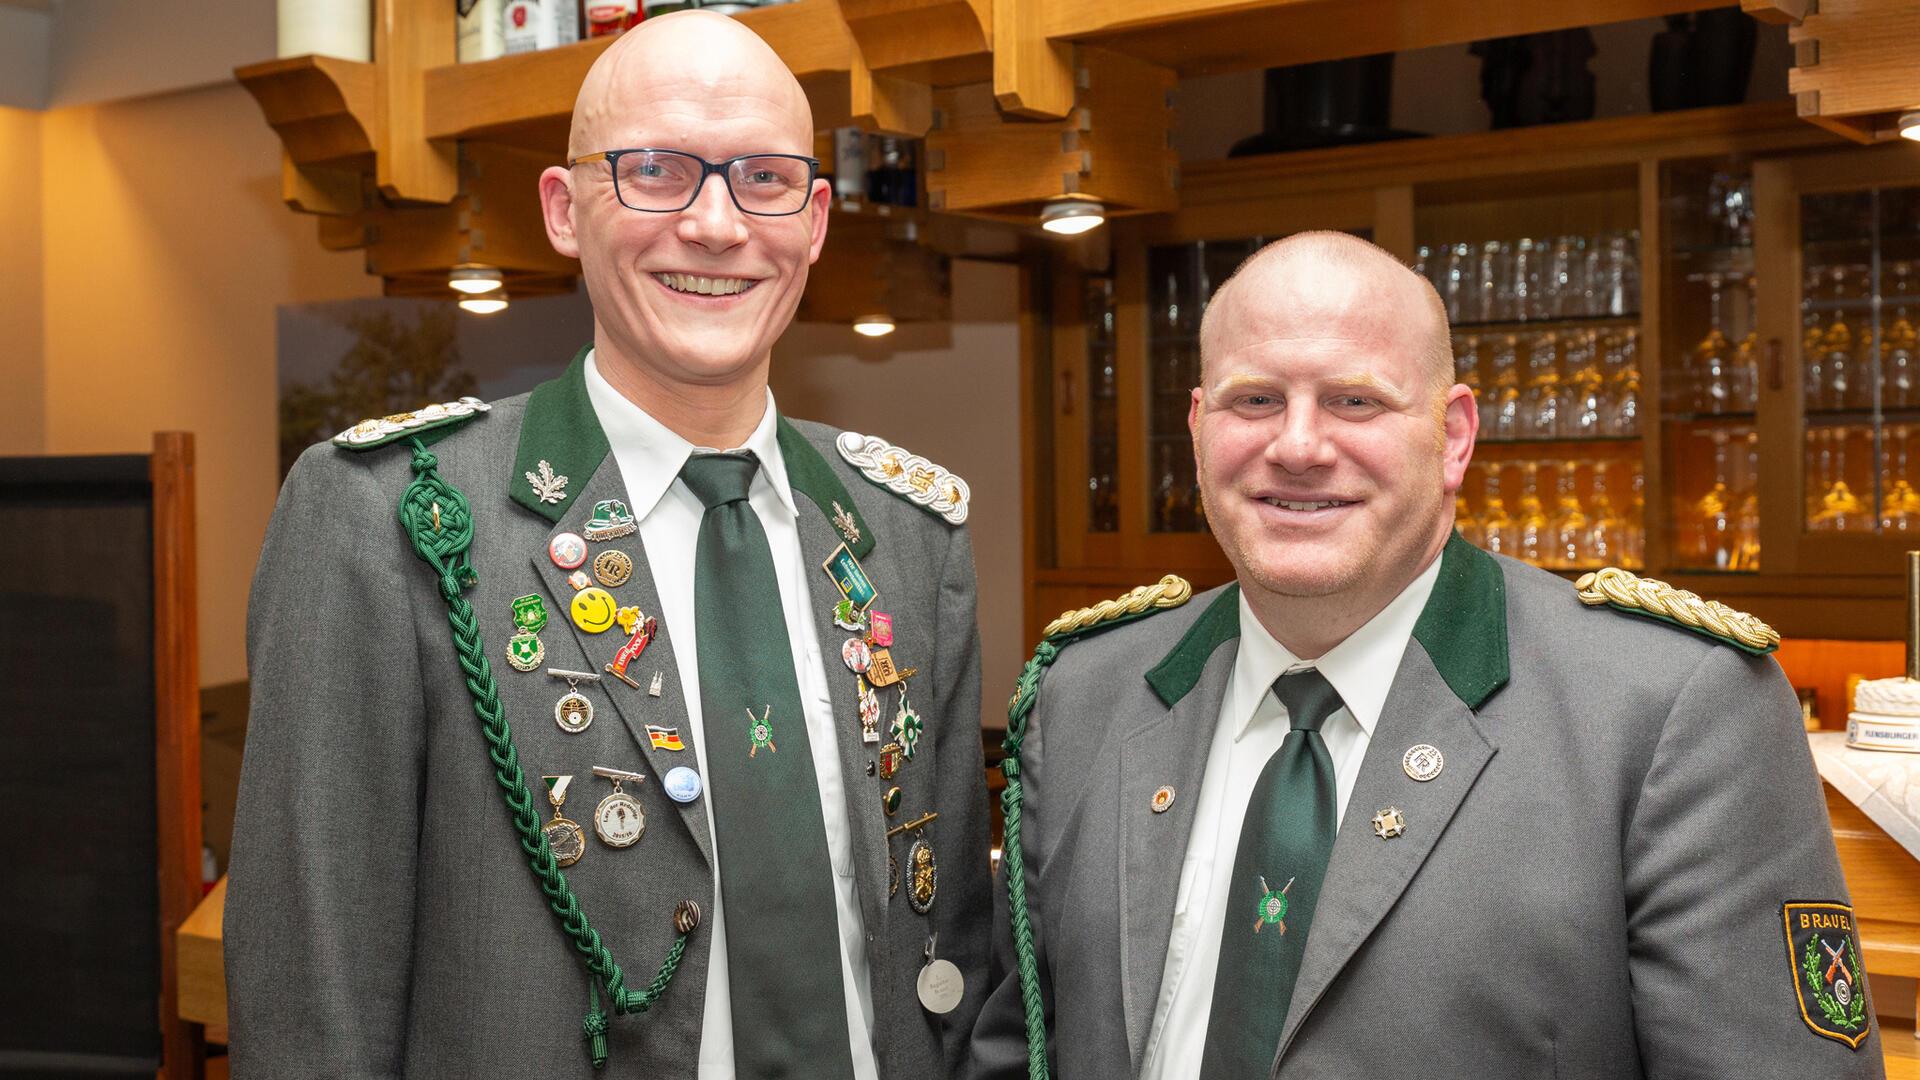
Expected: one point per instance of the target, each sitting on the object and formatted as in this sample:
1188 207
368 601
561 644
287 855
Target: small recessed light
1910 126
483 305
873 325
474 279
1071 217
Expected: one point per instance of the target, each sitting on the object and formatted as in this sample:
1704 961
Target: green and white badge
852 581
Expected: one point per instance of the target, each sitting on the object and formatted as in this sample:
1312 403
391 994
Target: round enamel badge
567 550
857 655
1423 762
593 609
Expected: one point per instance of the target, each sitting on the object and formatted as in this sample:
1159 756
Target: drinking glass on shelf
1623 384
1605 541
1613 275
1424 264
1530 518
1466 366
1900 502
1504 362
1745 375
1496 527
1493 282
1713 357
1837 508
1586 401
1899 371
1730 207
1566 278
1456 282
1529 279
1714 516
1633 554
1469 526
1540 401
1836 345
1746 491
1568 526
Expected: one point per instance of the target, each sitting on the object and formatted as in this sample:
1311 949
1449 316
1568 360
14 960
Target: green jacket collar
1469 593
809 474
561 429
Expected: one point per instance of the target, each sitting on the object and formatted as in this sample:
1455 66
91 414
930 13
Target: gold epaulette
1629 592
1169 592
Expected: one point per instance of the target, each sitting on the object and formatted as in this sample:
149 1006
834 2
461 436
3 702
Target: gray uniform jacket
1597 884
381 918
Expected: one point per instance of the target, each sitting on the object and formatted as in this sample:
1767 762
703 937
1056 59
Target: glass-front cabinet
1691 338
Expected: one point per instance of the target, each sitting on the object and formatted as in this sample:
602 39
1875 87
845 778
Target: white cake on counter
1886 715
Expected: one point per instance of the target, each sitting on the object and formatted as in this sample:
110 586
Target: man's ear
822 199
556 209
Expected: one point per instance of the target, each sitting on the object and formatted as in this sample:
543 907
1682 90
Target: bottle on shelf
1713 357
1840 383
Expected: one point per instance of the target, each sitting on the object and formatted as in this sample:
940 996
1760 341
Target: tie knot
1309 698
719 479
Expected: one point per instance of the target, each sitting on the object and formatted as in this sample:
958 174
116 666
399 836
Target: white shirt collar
650 454
1361 668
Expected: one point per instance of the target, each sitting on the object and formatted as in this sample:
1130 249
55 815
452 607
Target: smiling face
1328 441
694 298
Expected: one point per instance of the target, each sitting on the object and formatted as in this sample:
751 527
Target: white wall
952 394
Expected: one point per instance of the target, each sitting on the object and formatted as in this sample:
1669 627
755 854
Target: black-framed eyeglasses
657 181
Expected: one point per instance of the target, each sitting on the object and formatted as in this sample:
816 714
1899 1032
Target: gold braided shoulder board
1169 592
1629 592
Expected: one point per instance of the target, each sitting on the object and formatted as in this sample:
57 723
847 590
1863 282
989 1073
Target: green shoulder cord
1171 591
440 524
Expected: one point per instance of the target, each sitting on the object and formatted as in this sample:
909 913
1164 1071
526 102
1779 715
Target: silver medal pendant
573 712
566 839
939 984
618 821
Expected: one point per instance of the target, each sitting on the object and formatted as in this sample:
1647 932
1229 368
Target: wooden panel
410 37
176 644
321 107
895 33
527 99
1032 76
1856 72
203 977
1884 880
1208 36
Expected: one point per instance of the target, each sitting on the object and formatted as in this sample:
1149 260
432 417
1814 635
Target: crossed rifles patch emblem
1823 953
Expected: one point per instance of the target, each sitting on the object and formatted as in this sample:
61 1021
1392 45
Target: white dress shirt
1251 726
650 456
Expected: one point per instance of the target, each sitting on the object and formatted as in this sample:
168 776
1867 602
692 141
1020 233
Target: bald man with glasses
646 740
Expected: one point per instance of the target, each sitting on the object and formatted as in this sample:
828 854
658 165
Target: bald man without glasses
1390 807
646 740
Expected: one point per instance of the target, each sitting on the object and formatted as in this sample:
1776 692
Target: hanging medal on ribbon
907 726
566 839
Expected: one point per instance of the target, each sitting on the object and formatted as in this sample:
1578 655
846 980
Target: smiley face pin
594 610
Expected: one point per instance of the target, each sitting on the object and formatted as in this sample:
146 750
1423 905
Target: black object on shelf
1537 78
1326 103
1702 59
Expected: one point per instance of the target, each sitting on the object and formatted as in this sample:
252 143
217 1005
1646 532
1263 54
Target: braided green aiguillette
439 523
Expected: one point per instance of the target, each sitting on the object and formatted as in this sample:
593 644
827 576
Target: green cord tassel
439 524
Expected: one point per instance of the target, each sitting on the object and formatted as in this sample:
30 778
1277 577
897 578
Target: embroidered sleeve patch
1823 952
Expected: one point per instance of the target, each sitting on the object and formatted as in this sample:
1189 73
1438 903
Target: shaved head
1329 271
687 52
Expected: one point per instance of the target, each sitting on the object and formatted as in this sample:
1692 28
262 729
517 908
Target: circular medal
573 712
1423 762
682 784
940 986
566 839
525 651
923 876
593 610
567 551
612 568
857 655
686 917
618 820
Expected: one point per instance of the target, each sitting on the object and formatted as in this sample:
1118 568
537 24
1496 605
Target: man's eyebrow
1350 380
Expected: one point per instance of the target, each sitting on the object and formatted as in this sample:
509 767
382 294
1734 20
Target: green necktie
783 933
1285 842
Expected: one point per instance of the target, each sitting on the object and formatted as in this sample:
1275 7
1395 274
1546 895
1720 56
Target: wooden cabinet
1631 304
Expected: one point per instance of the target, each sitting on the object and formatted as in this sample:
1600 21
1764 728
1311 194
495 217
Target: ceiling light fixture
474 279
484 305
1910 125
873 325
1071 217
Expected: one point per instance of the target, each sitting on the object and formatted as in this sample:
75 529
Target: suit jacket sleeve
1000 1036
1730 824
319 917
961 915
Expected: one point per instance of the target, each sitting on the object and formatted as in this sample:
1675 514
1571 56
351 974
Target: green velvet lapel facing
809 474
1464 625
1463 628
1176 674
561 443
